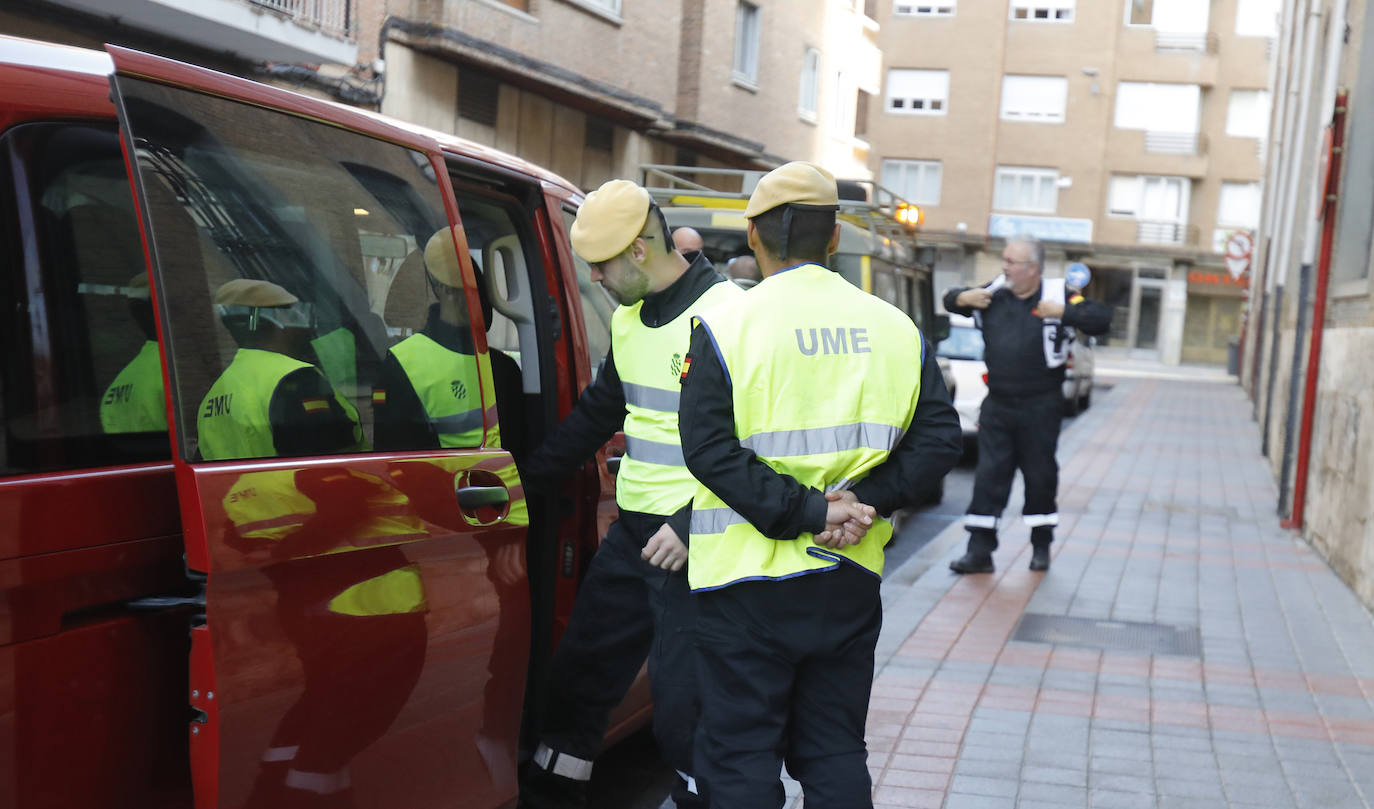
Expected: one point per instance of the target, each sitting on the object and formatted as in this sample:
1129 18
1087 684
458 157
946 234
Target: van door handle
475 497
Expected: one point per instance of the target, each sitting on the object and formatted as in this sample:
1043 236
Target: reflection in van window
597 306
299 253
82 372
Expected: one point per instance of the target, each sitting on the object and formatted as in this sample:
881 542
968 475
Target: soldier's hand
846 520
665 550
976 298
1049 309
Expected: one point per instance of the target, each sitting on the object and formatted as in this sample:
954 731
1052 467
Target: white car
963 350
1078 375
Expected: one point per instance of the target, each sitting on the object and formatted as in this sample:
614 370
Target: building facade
1127 134
710 83
592 89
1308 343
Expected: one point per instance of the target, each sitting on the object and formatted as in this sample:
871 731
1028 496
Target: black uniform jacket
778 505
1013 339
600 411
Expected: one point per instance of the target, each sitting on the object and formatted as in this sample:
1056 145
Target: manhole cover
1115 635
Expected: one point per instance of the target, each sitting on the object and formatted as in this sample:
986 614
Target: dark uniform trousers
626 609
1016 433
791 662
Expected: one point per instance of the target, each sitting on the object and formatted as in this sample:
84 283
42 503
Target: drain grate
1114 635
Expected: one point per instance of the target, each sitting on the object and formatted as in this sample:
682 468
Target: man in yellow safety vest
635 595
809 409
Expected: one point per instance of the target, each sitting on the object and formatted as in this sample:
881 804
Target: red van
194 614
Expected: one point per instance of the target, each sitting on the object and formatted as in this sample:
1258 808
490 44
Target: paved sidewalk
1167 518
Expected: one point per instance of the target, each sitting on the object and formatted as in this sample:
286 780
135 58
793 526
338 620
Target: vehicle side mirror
941 330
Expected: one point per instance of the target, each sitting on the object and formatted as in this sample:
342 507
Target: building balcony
1144 54
1180 42
1176 143
1173 234
290 31
1135 151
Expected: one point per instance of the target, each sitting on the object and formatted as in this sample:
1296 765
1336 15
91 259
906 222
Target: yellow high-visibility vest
653 477
824 379
451 390
135 401
234 420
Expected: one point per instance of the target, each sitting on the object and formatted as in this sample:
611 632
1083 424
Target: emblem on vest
218 406
460 390
675 365
833 341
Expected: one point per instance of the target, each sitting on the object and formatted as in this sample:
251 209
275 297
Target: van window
307 310
82 375
597 306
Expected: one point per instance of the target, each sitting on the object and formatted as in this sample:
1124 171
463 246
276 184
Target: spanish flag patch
314 405
1076 299
686 366
379 396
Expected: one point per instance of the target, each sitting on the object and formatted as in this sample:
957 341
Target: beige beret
798 182
248 292
441 259
612 216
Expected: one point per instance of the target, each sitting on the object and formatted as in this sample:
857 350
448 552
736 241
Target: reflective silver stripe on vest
458 423
714 520
650 398
654 452
820 440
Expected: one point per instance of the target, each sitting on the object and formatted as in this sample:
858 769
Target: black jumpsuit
1018 426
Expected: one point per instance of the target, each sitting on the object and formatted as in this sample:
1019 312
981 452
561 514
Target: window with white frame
1247 114
807 100
1258 18
1148 197
1238 208
910 8
1174 16
747 32
608 6
842 124
1019 188
1034 98
1158 107
917 92
915 181
1042 10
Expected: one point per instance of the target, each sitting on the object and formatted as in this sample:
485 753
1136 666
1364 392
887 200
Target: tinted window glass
597 306
82 383
312 286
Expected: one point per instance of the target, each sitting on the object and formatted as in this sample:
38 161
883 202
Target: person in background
744 270
688 242
1027 327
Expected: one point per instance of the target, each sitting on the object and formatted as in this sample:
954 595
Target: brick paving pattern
1167 517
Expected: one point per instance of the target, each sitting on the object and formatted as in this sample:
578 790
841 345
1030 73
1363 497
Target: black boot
541 789
972 563
1041 537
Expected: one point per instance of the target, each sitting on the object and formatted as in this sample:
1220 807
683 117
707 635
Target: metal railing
1201 42
1151 232
1180 143
333 17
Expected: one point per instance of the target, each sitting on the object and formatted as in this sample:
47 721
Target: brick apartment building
1127 134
